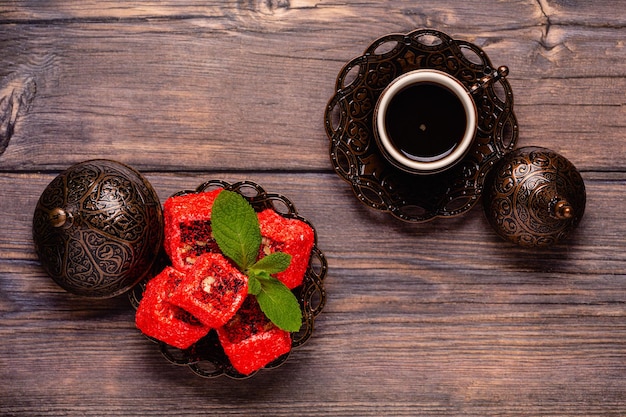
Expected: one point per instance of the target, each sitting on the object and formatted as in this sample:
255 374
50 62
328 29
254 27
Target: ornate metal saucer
353 150
206 358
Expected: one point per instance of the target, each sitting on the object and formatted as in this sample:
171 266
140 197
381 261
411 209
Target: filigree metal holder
206 358
353 150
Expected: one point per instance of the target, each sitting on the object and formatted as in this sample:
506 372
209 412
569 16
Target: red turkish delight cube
251 340
212 291
159 319
292 236
187 221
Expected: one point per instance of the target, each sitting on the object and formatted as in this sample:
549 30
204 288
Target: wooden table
433 319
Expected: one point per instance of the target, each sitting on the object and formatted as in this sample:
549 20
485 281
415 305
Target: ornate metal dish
206 358
353 150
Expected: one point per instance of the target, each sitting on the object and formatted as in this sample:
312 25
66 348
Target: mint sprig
237 232
236 228
272 264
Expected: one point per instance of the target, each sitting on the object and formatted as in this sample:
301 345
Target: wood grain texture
437 319
249 80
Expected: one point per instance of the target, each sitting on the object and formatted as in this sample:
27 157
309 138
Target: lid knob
58 217
563 210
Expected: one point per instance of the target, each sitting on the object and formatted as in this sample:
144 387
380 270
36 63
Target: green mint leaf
273 263
237 233
236 228
279 305
254 285
261 275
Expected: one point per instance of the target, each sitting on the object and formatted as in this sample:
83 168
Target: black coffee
425 121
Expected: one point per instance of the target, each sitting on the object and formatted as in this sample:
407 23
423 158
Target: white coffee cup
425 121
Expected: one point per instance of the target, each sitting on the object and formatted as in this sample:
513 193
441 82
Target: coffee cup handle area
488 79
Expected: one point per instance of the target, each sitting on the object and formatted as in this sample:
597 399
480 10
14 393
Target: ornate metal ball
98 228
534 197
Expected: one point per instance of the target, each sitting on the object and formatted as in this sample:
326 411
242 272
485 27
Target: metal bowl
206 358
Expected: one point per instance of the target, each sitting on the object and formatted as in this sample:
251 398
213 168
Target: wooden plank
428 12
602 13
98 90
442 317
350 231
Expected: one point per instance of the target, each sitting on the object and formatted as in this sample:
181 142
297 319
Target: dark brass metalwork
534 197
500 73
357 159
98 228
206 358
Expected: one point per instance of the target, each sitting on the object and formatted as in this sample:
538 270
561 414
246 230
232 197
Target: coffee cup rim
419 76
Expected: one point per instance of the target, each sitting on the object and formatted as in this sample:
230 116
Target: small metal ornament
534 197
98 228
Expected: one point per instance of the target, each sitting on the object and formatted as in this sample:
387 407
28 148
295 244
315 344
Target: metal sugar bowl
98 228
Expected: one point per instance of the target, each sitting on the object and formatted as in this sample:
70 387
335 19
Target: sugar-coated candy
187 221
161 320
250 340
212 290
291 236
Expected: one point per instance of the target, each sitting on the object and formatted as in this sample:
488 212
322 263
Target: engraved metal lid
97 228
534 197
